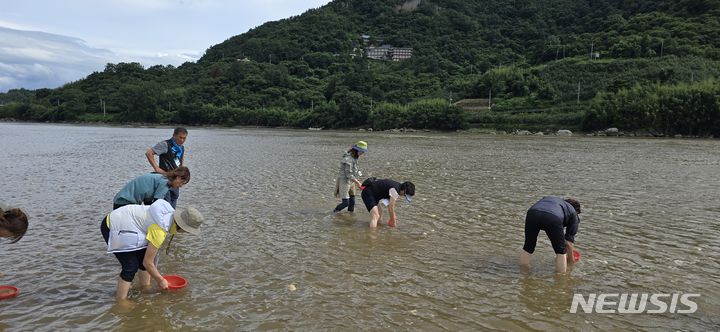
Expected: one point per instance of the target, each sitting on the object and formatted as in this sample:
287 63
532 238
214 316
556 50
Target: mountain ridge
309 69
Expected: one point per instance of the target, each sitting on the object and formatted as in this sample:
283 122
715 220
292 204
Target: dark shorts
368 198
130 261
548 222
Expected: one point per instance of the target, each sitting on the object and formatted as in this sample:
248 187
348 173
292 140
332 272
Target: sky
47 43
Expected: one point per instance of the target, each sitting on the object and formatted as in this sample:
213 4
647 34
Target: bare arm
569 248
149 263
391 212
150 154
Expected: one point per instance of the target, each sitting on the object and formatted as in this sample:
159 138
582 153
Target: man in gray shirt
171 154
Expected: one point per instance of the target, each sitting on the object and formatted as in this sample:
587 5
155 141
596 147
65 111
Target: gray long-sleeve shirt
348 168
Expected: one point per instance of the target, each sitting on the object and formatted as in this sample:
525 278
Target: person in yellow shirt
135 233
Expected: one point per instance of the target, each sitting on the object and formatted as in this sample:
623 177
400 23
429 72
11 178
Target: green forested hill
455 34
568 60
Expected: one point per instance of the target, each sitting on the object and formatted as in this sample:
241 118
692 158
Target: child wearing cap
388 192
135 233
348 177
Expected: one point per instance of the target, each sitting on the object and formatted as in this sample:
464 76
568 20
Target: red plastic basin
175 282
7 292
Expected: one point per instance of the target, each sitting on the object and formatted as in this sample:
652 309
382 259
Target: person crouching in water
348 177
559 219
13 223
385 190
135 233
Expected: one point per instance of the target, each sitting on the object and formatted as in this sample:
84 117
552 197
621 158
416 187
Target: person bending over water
385 189
13 223
135 233
149 187
559 219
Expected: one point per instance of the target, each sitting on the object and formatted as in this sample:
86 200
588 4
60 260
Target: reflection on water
648 225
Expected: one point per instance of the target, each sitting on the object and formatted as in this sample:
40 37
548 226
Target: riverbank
609 132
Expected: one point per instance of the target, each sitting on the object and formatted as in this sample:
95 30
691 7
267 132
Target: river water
649 225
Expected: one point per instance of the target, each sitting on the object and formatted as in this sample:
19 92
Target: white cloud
153 4
14 25
32 59
7 81
150 32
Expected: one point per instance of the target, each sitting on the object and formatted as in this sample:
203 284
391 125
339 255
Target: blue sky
46 43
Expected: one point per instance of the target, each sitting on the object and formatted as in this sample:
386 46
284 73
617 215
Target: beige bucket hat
189 219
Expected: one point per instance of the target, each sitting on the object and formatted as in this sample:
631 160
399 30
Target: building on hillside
378 52
388 52
401 53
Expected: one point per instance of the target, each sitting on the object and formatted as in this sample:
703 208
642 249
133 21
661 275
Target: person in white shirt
135 233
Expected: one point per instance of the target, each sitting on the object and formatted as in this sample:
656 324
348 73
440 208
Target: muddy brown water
271 256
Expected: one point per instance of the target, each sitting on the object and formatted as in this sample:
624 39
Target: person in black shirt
388 192
559 219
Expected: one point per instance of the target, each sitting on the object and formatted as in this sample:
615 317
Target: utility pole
592 44
490 99
578 94
312 106
662 44
102 104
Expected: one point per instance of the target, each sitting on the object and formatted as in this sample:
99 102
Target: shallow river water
649 225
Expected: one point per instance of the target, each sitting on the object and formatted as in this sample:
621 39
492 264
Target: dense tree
545 64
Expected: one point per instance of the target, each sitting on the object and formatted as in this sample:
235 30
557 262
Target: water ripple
649 225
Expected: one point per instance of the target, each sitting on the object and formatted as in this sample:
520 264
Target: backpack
369 181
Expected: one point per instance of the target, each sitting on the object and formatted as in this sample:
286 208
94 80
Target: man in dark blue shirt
554 215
